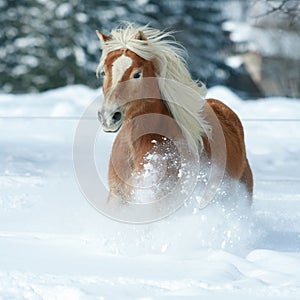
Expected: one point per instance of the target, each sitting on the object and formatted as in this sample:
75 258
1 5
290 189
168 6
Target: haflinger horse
151 100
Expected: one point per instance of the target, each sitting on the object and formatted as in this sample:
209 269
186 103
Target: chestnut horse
143 74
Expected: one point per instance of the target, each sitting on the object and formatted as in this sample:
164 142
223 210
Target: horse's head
123 72
145 73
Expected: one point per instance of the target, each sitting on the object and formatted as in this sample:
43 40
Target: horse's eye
137 74
102 73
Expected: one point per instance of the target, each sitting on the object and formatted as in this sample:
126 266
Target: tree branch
290 8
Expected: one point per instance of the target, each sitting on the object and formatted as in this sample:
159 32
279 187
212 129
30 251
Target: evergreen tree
51 43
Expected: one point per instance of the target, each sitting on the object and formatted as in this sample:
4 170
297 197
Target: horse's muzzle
110 121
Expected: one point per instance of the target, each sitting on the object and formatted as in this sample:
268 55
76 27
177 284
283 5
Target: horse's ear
102 37
140 36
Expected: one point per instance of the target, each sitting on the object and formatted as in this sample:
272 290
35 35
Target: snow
266 41
234 61
55 245
64 10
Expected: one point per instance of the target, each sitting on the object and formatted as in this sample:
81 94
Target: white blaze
119 66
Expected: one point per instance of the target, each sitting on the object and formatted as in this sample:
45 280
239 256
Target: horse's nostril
117 116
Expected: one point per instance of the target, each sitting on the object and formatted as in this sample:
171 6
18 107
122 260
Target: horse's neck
143 107
148 123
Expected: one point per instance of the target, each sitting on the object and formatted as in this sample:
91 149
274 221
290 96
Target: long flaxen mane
183 96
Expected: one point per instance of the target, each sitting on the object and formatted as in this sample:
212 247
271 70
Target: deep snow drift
54 245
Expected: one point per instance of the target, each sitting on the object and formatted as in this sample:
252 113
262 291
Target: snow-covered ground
54 245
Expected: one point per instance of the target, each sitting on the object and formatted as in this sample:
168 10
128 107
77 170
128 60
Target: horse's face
123 73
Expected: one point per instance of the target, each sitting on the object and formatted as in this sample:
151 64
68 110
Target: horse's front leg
120 187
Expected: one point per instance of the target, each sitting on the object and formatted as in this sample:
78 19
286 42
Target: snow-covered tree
50 43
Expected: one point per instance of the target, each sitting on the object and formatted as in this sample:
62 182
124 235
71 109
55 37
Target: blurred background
250 46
